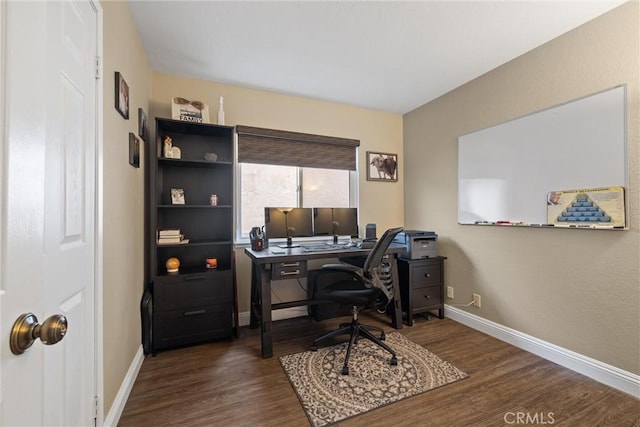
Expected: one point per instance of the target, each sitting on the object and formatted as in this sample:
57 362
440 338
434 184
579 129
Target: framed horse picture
382 166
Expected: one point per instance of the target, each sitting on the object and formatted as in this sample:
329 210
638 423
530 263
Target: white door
48 169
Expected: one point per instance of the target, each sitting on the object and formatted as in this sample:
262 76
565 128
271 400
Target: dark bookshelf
195 304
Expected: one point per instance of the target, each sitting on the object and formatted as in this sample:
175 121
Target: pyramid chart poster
591 207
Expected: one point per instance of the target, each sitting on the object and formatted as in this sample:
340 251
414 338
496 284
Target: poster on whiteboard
587 208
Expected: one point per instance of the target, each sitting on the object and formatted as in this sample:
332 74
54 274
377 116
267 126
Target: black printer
419 244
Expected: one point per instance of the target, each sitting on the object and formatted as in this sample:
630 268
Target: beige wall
578 289
380 202
124 186
518 272
123 201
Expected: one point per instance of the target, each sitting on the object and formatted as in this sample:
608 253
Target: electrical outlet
450 292
476 300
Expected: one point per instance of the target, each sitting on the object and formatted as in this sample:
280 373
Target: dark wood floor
227 383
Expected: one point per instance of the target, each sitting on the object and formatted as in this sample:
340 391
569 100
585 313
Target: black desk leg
396 314
255 298
265 312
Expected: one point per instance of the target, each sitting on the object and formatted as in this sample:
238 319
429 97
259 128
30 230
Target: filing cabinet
421 286
191 308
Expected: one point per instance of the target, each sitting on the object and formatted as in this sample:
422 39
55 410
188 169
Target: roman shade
277 147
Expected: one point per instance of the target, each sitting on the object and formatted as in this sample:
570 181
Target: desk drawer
422 298
191 290
426 275
288 270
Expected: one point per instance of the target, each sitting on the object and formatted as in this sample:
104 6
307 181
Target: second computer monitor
335 222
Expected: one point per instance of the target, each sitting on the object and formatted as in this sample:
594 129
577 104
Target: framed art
177 196
122 96
189 111
134 150
382 166
142 125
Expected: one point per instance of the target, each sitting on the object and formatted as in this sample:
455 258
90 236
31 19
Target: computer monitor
335 222
288 223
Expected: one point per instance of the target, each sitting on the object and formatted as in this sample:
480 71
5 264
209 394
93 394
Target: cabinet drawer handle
198 277
427 275
290 273
194 312
293 264
427 297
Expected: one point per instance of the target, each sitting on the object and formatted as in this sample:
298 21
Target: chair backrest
377 253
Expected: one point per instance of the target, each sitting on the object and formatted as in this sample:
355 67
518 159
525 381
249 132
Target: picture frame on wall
122 96
143 129
134 150
382 166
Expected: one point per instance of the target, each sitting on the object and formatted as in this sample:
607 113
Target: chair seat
348 292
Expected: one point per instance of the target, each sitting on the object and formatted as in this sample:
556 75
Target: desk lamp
334 230
290 230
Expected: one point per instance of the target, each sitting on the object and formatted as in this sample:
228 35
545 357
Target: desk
268 266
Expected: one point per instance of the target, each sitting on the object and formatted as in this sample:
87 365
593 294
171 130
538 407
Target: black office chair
359 288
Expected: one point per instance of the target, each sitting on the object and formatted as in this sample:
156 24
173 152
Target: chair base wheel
314 348
383 337
393 361
345 370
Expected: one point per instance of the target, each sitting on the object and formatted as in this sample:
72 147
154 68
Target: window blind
277 147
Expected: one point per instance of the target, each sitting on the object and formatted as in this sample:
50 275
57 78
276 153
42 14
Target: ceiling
392 56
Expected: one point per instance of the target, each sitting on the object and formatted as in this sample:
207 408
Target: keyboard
322 247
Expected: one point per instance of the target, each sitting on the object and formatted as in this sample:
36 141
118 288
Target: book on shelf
172 240
169 232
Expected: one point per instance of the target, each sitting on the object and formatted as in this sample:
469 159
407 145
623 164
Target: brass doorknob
26 329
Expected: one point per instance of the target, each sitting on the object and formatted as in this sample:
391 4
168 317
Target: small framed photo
122 96
143 130
382 166
134 150
177 196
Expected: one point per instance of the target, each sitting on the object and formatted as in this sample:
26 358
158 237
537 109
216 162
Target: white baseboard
113 417
599 371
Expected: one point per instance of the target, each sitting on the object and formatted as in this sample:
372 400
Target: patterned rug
328 397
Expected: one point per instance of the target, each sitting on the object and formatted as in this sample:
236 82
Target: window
279 168
270 185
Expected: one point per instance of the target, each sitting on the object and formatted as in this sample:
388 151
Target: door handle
26 329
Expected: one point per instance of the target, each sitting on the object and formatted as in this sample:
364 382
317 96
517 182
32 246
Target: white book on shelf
169 232
170 239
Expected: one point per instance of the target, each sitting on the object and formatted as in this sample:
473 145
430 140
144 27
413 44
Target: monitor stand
289 244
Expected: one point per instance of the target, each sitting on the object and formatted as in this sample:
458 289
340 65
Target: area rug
328 397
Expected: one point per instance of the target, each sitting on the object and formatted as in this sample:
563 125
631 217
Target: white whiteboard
506 171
